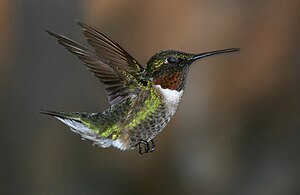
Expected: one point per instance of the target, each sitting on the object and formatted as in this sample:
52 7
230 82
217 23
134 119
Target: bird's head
169 68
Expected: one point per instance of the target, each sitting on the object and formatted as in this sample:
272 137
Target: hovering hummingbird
143 100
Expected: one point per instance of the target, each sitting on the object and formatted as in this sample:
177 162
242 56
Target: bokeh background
237 130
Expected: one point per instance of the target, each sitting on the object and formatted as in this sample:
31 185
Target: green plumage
133 119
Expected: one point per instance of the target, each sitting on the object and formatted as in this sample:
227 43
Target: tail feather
74 121
63 115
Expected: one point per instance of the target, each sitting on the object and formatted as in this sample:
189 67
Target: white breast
172 98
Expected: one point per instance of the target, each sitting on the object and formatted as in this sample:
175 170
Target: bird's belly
149 128
156 122
143 118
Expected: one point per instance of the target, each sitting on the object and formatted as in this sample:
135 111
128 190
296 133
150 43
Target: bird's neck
171 99
173 81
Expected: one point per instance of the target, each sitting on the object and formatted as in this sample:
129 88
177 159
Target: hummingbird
142 99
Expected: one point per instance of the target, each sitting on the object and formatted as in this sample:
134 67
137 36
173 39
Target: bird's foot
152 146
145 147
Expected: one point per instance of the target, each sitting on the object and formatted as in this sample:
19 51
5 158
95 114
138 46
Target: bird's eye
172 60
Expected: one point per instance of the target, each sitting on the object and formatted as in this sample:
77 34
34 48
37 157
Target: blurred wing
119 81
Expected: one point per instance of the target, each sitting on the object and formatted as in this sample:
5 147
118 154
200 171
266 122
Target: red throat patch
169 81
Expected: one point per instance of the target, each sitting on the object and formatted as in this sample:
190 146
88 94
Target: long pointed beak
210 53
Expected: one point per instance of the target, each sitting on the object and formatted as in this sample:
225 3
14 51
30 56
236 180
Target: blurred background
235 132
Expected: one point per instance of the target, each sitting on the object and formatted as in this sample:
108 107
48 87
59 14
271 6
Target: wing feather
108 48
113 65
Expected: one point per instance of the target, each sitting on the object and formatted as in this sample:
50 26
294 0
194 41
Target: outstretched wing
110 63
109 49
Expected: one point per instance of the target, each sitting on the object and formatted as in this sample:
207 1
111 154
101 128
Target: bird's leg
152 146
146 146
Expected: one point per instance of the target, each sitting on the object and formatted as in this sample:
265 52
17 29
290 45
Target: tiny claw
146 146
152 146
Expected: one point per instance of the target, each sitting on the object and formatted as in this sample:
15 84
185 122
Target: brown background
236 130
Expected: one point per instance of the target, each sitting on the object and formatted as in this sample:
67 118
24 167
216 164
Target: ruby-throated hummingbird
143 100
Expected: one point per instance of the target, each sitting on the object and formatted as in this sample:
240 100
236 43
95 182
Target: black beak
210 53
